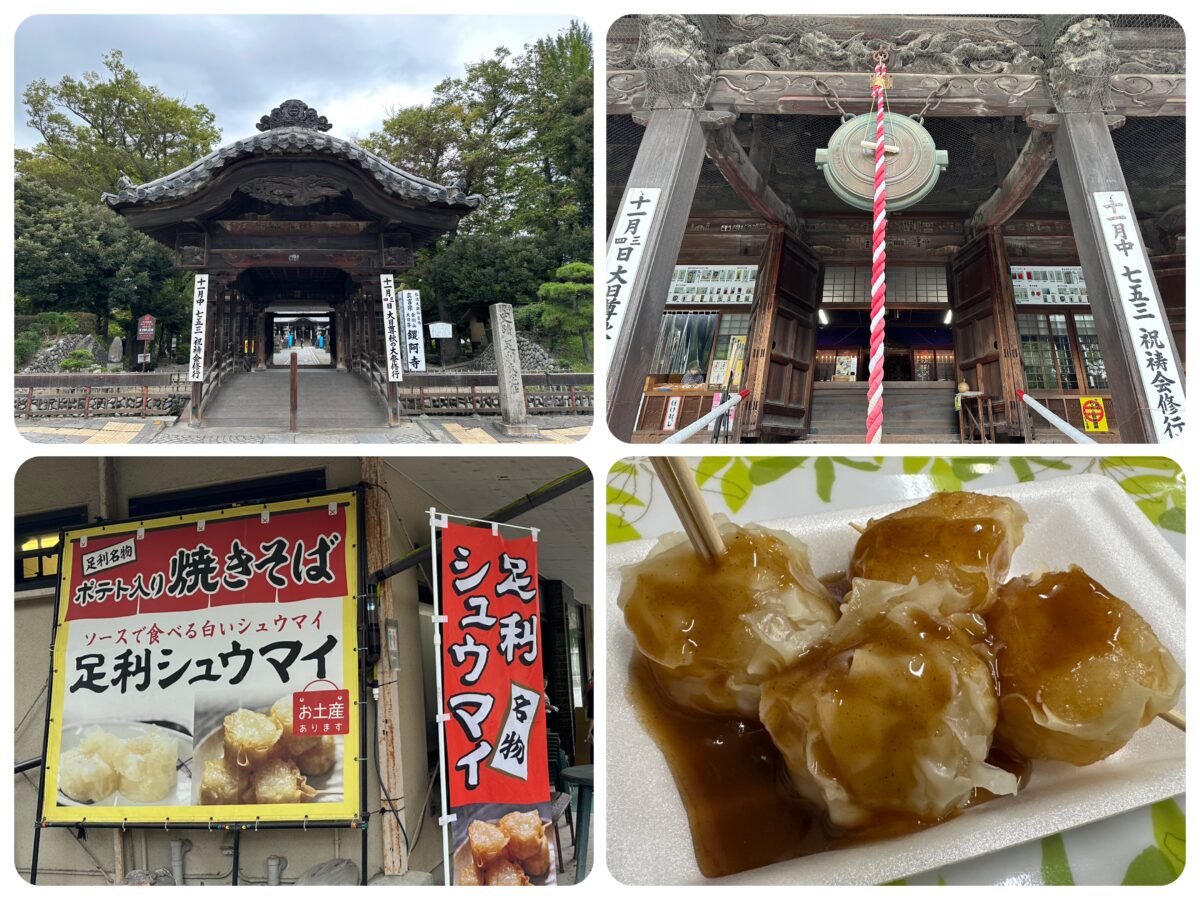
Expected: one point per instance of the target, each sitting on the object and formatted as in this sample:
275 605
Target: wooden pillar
1088 163
261 340
669 158
758 342
391 756
1008 336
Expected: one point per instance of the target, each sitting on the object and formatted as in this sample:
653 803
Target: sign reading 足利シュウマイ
180 647
496 733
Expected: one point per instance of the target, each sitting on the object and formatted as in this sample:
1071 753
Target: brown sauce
960 551
741 809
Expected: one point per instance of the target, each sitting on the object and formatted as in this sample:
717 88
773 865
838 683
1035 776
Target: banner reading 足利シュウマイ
205 668
494 690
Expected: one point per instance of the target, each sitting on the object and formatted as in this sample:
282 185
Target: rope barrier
878 260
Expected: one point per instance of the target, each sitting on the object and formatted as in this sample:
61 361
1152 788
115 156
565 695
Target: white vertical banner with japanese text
199 328
205 668
1143 312
625 245
414 338
492 663
391 329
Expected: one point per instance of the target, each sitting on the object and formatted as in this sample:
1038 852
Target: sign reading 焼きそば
181 647
199 328
1149 331
625 247
414 339
491 645
391 329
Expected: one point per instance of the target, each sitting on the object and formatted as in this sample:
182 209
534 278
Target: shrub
77 360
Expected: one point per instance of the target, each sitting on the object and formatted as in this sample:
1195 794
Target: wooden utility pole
387 708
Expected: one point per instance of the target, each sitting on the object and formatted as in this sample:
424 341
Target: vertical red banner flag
492 660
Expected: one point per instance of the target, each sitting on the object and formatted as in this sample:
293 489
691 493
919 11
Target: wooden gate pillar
1097 197
669 160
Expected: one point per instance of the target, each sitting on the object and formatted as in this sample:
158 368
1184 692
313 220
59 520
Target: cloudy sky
351 68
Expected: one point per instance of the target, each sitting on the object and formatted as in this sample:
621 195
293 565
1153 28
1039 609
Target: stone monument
515 420
116 351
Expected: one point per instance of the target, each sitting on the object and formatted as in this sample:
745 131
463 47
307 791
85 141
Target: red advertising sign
325 711
145 329
293 556
491 644
219 651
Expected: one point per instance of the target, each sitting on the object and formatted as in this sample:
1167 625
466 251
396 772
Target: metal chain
933 101
832 100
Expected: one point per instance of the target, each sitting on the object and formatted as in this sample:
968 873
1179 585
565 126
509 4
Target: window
731 325
1046 351
905 285
37 548
933 365
1089 348
685 340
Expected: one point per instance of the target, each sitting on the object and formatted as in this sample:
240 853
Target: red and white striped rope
878 266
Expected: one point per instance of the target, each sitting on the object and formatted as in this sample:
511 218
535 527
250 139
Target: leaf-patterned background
1144 846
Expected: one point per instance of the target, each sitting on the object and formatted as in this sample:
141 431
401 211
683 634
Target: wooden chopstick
679 483
1175 717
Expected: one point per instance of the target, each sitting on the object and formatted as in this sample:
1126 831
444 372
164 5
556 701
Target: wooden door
782 342
987 345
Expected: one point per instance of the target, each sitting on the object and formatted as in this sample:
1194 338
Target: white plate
1085 520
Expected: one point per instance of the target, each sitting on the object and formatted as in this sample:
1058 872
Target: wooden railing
222 366
106 394
470 393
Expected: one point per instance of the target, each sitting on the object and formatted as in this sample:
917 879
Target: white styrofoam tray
1086 520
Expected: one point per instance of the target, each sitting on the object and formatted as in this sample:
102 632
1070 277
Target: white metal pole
438 620
684 433
1061 424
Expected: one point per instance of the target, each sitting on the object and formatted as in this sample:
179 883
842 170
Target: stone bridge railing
100 394
468 393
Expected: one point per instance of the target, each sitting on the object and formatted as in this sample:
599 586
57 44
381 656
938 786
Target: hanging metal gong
913 161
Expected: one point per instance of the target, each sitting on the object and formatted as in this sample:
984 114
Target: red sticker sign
320 712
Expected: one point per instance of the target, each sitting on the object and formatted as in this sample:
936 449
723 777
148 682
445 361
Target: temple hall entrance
309 334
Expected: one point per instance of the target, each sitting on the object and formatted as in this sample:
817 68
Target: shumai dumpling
964 539
319 758
100 743
469 876
280 781
250 737
487 842
281 712
223 782
715 633
1079 670
526 833
505 873
147 767
892 714
85 777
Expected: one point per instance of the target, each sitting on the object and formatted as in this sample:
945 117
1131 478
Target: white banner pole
436 521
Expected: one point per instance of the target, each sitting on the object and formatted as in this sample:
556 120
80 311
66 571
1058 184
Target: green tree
564 306
97 126
72 256
517 129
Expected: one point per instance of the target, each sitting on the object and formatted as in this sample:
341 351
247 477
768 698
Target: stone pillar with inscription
515 419
1131 323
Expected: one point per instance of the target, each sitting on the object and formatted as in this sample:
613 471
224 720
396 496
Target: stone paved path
305 356
417 430
328 399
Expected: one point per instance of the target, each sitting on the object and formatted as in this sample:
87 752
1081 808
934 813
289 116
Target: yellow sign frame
1102 425
345 811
